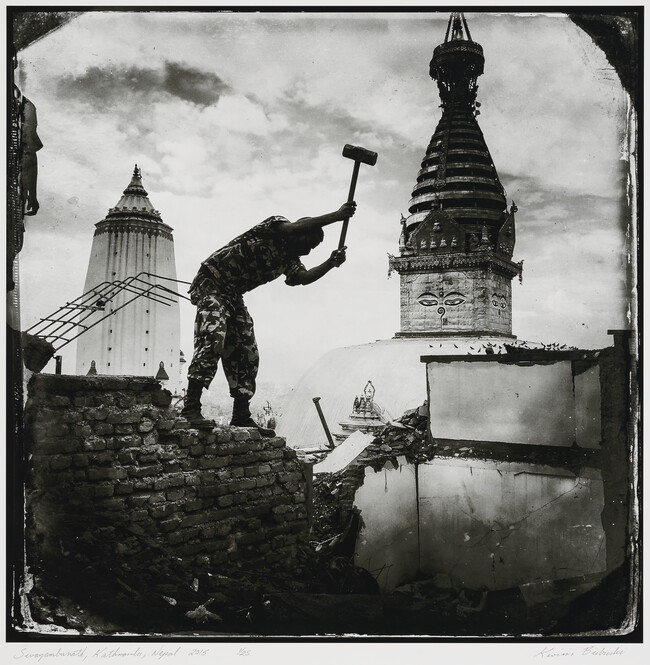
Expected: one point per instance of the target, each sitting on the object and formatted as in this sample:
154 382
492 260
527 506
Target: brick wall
114 474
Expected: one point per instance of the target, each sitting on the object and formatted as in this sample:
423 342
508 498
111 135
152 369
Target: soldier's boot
241 416
192 408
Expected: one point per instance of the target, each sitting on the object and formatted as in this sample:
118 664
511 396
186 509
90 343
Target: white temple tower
133 239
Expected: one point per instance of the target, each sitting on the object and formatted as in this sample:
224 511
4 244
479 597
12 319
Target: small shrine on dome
366 416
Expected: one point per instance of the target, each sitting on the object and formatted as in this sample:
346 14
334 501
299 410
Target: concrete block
157 497
270 455
103 490
80 460
59 400
255 511
176 537
213 463
145 471
161 398
150 439
123 417
125 401
83 430
71 416
60 462
112 504
139 500
127 441
239 498
170 525
208 437
218 558
192 505
249 538
240 485
97 413
147 455
103 473
210 491
101 429
104 458
223 436
126 457
246 459
189 464
163 510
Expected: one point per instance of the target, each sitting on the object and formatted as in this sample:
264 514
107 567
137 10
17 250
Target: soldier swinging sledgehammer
223 328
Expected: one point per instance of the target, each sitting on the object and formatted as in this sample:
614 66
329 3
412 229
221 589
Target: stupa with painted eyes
455 249
454 262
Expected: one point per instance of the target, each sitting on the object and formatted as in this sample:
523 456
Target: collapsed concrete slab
345 453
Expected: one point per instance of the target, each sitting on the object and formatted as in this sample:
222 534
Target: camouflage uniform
223 328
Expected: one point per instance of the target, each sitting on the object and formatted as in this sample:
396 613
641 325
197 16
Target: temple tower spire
457 63
456 246
145 335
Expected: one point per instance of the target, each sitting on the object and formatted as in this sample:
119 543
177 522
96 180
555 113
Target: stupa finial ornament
457 63
135 188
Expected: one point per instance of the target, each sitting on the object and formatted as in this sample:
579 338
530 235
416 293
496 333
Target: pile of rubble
170 601
334 492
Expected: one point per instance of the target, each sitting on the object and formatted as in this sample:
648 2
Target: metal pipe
316 401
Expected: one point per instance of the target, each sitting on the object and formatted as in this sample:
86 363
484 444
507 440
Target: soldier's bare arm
307 224
336 258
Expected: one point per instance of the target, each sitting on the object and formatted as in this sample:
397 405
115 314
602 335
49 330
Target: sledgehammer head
359 154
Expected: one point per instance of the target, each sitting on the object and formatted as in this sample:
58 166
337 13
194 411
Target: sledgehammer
360 156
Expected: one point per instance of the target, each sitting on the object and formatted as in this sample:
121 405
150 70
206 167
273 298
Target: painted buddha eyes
450 299
428 299
499 301
453 299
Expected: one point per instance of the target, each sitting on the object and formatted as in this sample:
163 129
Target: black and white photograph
323 326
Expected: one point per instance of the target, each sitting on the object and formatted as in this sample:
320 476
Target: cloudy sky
233 117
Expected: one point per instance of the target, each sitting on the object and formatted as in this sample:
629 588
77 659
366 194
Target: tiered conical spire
457 174
456 246
143 336
134 202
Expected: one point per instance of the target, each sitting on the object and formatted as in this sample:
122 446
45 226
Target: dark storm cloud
193 85
106 85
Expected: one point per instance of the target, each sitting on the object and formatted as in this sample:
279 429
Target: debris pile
333 495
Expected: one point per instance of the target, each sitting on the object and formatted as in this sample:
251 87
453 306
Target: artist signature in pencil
560 652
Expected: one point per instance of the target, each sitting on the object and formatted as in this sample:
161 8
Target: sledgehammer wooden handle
360 156
353 186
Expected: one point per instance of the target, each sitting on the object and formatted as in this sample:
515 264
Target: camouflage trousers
223 330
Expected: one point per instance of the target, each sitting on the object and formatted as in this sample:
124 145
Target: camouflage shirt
256 257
